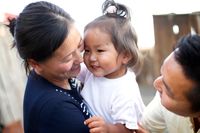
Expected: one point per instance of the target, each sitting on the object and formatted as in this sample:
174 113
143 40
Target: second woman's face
65 62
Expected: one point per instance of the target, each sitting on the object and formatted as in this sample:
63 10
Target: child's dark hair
39 30
116 22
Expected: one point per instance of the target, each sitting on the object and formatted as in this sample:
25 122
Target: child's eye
86 51
100 50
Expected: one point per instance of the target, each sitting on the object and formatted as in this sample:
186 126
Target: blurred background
158 23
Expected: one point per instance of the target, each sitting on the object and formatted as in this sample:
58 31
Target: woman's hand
8 17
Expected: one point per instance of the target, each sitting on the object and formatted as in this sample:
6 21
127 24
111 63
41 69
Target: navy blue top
51 109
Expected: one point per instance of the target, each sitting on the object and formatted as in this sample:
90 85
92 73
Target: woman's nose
158 84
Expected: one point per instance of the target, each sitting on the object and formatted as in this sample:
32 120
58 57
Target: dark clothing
1 127
51 109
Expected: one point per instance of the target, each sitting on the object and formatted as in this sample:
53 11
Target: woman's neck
65 85
62 83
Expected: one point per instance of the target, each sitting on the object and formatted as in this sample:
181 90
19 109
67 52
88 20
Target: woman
50 46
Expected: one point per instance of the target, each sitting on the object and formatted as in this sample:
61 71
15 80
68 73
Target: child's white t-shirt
116 100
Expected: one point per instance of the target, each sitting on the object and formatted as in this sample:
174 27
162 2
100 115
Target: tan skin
98 125
65 62
98 47
13 127
172 97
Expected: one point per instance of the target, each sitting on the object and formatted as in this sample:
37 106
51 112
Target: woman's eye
68 58
81 48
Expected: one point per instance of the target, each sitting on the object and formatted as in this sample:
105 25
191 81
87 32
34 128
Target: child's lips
94 66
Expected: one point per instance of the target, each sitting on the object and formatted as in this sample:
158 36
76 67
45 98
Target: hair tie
111 9
114 9
122 13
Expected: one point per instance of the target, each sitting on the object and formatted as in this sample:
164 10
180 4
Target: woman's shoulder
57 98
60 111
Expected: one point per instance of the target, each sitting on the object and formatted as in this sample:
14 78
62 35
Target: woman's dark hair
39 30
116 22
187 55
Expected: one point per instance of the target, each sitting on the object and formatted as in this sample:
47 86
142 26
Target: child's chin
98 75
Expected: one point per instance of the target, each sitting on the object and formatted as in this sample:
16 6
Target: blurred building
168 29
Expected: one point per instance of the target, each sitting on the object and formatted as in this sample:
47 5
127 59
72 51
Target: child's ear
35 65
126 58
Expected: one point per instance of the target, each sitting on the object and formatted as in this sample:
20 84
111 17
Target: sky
84 11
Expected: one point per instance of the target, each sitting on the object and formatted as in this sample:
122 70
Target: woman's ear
35 65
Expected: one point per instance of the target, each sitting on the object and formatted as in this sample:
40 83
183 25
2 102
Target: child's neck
118 73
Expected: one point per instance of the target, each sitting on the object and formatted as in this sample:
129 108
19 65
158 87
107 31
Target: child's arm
98 125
